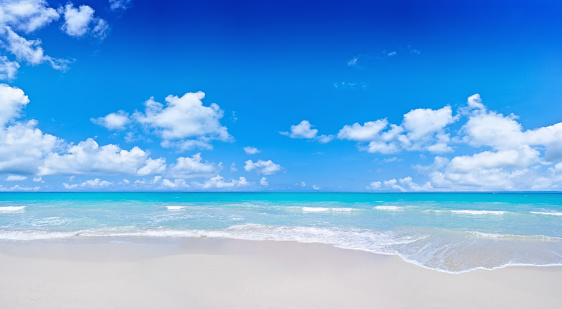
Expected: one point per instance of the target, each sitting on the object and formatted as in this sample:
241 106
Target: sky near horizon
374 96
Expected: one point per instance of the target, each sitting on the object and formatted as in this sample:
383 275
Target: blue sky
323 95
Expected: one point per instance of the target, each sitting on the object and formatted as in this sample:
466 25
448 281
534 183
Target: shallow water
453 232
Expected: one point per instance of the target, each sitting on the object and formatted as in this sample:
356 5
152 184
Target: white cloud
374 185
96 183
153 166
69 186
26 15
77 21
23 147
521 157
101 29
323 139
113 121
189 167
18 188
363 133
122 5
351 85
421 130
29 50
494 130
304 130
353 61
21 17
474 101
421 123
184 122
251 150
12 101
262 167
263 181
91 184
16 178
8 69
218 182
87 157
403 185
517 159
315 187
381 147
176 184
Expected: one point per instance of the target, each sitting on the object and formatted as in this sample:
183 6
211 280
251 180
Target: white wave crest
175 208
553 213
389 208
326 209
478 212
9 209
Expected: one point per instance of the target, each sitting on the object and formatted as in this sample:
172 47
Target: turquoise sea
452 232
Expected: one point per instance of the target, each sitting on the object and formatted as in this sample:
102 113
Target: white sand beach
221 273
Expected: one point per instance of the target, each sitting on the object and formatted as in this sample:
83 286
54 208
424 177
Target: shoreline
218 273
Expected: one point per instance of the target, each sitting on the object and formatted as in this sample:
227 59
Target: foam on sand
10 209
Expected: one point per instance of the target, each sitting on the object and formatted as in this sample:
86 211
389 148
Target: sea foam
553 213
175 208
478 212
9 209
325 209
389 208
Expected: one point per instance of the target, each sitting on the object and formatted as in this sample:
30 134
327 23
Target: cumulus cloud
184 122
113 121
363 133
304 130
8 69
18 188
78 21
512 158
189 167
405 184
26 15
262 167
251 150
91 184
152 167
23 147
87 157
16 178
218 182
374 185
176 184
12 101
421 130
264 182
18 18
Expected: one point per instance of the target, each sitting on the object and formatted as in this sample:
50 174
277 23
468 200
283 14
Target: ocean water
451 232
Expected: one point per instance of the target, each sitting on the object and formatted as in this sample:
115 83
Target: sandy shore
218 273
